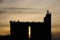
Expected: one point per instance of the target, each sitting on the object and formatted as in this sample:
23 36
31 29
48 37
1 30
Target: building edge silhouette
39 30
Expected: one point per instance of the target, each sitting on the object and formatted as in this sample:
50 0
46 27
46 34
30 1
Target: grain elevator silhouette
39 30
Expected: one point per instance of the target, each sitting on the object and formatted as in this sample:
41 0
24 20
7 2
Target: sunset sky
30 10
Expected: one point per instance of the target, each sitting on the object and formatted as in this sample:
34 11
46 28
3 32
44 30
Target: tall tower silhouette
47 18
42 30
39 30
47 23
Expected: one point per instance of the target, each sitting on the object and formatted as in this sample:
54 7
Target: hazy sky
31 15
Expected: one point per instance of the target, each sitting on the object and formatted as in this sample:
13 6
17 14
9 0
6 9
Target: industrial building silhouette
39 30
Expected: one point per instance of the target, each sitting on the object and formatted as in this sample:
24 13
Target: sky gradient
30 10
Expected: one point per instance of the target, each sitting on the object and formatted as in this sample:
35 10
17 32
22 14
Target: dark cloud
1 1
2 11
18 10
21 8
